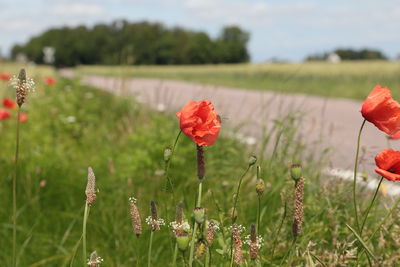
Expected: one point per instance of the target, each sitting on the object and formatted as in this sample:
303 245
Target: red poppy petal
388 175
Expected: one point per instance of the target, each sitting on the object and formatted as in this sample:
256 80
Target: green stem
198 204
167 165
289 251
237 194
175 255
370 206
279 229
85 218
14 259
355 175
258 214
386 218
150 246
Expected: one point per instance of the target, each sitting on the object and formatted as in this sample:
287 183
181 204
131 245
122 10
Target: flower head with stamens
153 220
94 260
180 227
22 85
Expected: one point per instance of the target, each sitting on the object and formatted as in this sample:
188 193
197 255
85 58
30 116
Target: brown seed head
298 207
237 244
210 232
90 187
135 216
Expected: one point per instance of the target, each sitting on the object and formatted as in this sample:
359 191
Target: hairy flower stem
85 218
370 206
14 258
192 241
355 175
150 246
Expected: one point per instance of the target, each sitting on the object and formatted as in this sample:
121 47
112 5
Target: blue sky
286 29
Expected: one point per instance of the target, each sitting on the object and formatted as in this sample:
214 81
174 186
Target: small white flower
184 226
132 200
259 241
70 119
28 84
240 228
159 222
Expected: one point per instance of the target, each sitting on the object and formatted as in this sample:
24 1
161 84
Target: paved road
335 120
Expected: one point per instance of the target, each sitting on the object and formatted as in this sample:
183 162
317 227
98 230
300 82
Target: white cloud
78 9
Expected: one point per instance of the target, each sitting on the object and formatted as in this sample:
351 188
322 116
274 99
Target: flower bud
167 154
252 160
183 241
295 171
260 187
199 213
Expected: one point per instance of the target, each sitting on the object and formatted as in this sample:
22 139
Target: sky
286 29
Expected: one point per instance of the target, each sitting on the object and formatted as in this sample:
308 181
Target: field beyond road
344 80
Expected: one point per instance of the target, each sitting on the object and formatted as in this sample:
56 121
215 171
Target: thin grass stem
85 218
370 206
355 175
150 247
14 257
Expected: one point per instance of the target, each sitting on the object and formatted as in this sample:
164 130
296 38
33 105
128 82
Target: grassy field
71 127
347 79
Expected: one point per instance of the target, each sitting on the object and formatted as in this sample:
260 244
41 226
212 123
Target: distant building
333 58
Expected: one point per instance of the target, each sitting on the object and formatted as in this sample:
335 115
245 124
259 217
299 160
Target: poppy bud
198 213
260 187
252 160
295 171
183 241
167 154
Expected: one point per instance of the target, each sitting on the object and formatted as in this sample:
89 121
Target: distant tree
350 54
122 42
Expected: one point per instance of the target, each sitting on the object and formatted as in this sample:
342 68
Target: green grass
71 127
345 80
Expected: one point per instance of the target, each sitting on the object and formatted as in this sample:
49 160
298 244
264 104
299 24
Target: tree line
350 54
141 43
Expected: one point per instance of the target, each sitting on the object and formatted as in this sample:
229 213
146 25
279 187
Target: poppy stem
370 206
355 175
14 259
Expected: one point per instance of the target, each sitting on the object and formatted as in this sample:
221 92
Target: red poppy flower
50 81
5 76
4 114
9 103
200 122
395 136
388 164
22 117
382 110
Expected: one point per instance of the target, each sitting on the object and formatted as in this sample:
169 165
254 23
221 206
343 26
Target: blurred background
287 78
198 31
